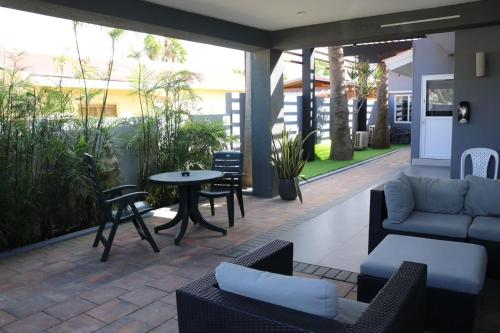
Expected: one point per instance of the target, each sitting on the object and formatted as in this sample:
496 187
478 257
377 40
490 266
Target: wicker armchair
203 307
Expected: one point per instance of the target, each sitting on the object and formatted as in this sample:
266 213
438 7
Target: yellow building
211 86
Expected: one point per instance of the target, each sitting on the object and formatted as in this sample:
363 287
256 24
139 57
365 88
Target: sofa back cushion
399 198
439 195
483 197
314 296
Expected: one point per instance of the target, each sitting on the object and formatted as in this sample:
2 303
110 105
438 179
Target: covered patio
63 287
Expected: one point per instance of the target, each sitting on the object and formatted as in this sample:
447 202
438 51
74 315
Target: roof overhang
401 63
161 20
375 52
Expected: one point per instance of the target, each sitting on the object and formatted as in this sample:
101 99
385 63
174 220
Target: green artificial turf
323 165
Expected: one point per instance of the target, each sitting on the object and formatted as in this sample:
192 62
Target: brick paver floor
65 288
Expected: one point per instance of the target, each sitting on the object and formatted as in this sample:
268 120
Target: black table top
195 177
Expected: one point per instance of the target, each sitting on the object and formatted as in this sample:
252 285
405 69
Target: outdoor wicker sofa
203 307
377 232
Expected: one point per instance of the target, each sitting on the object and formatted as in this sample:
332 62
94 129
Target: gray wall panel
483 130
428 59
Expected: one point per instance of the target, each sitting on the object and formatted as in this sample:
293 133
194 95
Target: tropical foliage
321 68
171 50
288 157
45 191
167 137
174 51
363 78
44 132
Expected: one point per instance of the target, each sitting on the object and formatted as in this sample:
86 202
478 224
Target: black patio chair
129 208
231 164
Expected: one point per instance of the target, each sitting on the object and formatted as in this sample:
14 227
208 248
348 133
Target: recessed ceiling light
300 12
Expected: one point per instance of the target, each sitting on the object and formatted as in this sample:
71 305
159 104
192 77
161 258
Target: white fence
290 116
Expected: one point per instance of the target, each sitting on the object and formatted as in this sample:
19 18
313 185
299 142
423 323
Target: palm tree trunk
341 146
381 136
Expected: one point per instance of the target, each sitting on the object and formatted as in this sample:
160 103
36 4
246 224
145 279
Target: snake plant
288 157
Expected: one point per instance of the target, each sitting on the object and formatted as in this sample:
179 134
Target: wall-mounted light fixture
463 112
480 64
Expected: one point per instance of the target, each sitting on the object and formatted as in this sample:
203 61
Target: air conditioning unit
371 129
361 140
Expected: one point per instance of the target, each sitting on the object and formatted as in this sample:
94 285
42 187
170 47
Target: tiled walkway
65 288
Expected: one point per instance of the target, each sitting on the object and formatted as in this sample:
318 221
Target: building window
95 110
402 108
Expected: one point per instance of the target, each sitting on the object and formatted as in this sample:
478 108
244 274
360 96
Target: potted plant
287 158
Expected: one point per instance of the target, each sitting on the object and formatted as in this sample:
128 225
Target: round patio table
188 187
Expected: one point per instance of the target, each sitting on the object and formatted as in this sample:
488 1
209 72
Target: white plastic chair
480 158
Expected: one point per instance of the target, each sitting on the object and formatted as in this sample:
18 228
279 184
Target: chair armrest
274 257
127 198
378 213
118 190
400 304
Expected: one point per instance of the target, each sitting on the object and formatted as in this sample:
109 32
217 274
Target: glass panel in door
439 98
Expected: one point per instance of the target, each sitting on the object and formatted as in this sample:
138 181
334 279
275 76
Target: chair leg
145 234
109 241
212 206
137 226
230 209
98 235
239 196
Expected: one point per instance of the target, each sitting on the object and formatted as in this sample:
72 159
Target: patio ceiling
275 15
276 24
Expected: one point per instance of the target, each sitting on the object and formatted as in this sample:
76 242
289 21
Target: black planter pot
286 189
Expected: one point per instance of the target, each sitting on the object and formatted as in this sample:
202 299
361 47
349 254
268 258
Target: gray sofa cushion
439 195
349 311
485 228
452 266
483 197
447 225
318 297
399 198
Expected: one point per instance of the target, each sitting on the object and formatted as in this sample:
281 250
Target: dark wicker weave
202 307
446 311
378 213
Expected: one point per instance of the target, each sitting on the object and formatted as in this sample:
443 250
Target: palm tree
341 144
174 51
152 47
363 80
381 136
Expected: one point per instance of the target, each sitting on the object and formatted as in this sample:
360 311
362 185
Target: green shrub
44 188
167 139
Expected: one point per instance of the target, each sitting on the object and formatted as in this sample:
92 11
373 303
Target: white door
436 117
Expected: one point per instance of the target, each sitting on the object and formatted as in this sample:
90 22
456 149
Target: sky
33 33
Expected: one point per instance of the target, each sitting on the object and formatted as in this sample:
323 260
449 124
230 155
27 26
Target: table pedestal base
188 208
